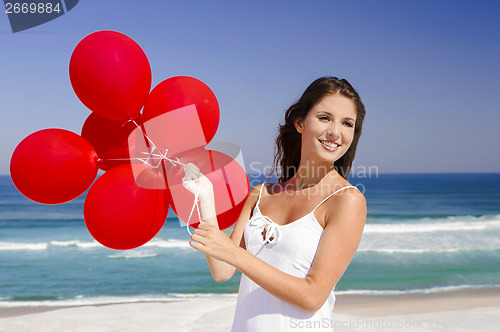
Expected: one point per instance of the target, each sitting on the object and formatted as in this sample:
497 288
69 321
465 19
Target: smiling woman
324 97
331 123
294 239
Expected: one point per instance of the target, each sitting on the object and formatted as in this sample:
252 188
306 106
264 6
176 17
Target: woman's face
328 129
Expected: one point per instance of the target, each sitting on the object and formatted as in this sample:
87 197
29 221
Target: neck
310 174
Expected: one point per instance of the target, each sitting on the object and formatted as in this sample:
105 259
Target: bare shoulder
348 205
269 189
254 193
352 195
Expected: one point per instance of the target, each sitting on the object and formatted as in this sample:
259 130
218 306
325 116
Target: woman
294 239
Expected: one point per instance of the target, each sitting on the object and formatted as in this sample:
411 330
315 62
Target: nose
333 132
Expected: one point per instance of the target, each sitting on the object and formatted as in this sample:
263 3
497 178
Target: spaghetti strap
263 184
260 193
332 195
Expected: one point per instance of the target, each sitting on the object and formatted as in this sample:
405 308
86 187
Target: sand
471 310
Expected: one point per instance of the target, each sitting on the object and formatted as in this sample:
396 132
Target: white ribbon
272 232
192 186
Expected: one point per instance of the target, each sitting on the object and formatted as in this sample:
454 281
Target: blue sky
427 71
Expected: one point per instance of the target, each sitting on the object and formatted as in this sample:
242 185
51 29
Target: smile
330 146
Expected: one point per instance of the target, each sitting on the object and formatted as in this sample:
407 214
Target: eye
349 124
323 118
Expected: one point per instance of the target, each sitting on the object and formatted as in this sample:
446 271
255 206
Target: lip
328 148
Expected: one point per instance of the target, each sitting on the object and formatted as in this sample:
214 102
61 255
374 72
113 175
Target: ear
299 125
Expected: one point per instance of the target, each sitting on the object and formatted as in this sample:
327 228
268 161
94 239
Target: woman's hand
196 182
208 238
214 242
202 188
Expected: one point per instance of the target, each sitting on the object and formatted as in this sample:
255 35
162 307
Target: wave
76 243
80 300
181 244
424 225
133 254
422 251
170 243
402 216
4 246
432 290
23 246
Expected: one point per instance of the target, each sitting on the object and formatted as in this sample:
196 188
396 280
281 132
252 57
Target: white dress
291 249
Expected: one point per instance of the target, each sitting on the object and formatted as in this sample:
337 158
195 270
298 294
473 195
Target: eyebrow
325 112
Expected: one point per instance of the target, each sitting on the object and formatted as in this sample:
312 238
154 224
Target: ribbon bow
267 227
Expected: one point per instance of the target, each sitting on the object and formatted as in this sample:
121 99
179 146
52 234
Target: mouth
329 145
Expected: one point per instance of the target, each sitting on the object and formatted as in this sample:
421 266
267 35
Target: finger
186 177
198 238
194 167
190 175
191 172
197 246
204 226
201 232
191 168
195 170
188 170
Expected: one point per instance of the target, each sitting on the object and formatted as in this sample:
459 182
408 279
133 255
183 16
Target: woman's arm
222 271
200 185
340 239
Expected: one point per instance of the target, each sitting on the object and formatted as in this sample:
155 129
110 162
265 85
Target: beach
427 261
467 310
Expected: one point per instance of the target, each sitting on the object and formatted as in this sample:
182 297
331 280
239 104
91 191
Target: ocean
424 233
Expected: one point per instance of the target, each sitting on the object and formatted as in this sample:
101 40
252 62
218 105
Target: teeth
328 143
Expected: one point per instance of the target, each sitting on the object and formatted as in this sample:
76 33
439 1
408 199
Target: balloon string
151 156
154 147
196 204
161 157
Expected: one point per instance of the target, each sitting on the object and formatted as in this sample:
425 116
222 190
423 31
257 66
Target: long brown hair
288 141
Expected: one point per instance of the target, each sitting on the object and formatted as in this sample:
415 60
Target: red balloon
53 166
229 180
110 74
121 215
181 91
109 139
